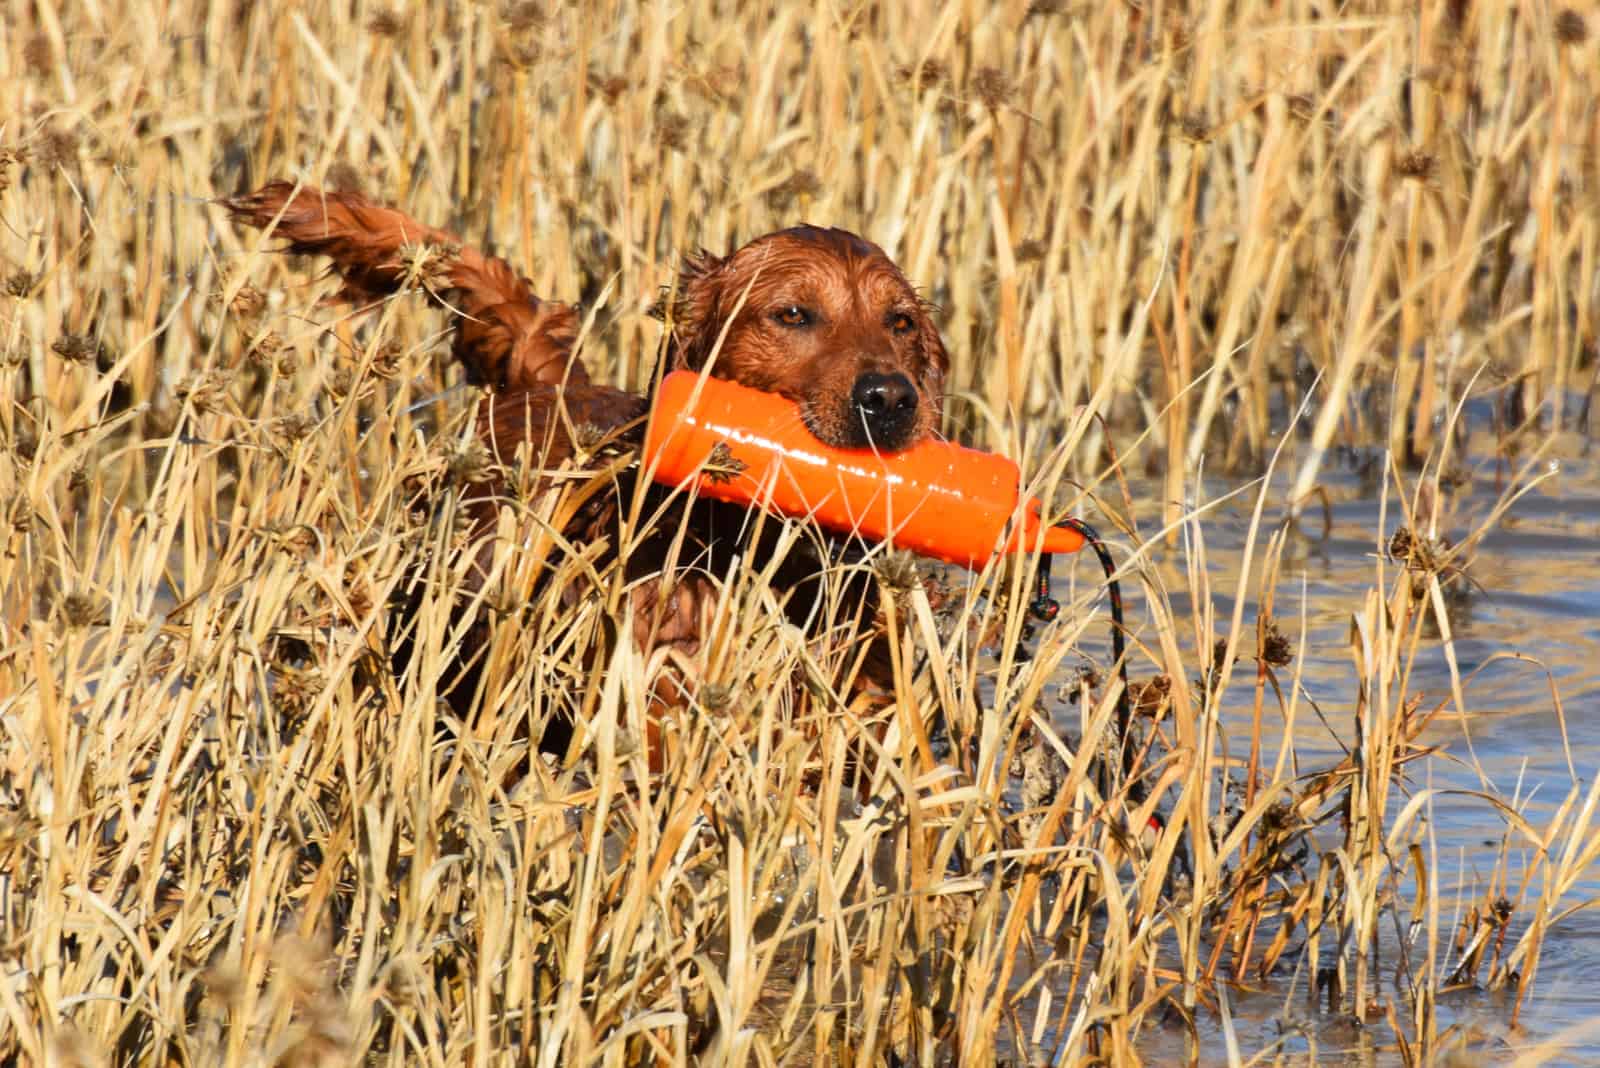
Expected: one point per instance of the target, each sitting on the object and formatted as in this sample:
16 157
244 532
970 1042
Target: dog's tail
508 339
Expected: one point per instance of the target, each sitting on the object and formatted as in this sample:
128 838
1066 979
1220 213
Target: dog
820 316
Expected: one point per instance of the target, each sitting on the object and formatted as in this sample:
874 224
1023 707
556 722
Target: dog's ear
696 315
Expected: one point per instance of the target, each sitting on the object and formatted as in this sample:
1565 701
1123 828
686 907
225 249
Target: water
1537 594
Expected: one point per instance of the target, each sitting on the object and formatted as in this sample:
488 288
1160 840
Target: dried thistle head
342 381
1195 128
592 437
427 265
20 283
519 53
801 185
386 22
929 74
722 466
293 426
205 390
56 147
469 463
264 351
993 87
1571 28
79 609
610 86
38 55
523 16
76 348
715 697
672 129
246 303
1219 656
1276 649
1148 697
898 572
343 177
295 691
388 360
1416 165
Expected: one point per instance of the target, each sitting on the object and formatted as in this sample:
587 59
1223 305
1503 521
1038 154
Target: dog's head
824 318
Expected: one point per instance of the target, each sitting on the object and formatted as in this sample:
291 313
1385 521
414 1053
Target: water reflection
1534 592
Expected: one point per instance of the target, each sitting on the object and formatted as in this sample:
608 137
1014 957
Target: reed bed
1244 234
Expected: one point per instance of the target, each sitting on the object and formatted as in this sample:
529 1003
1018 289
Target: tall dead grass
230 835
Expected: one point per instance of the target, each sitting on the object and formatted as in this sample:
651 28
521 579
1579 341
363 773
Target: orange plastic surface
738 444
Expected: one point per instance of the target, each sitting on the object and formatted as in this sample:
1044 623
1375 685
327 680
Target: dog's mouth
850 427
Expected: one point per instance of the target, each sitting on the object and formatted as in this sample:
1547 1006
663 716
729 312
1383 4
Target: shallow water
1537 594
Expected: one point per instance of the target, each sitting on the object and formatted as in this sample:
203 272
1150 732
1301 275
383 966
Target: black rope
1046 608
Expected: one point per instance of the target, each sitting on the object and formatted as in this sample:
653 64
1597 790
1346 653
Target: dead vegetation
229 835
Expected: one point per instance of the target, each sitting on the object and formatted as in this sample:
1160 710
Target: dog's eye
793 315
901 323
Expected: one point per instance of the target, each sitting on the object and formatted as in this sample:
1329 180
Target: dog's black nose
886 406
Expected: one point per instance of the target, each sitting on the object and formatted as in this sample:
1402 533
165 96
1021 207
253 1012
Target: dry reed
228 835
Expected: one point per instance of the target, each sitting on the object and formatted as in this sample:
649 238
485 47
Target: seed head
993 87
388 360
610 86
426 265
24 445
929 74
344 178
1276 649
293 427
520 53
715 696
246 303
37 54
672 129
295 690
79 609
1416 165
1571 29
1195 128
206 390
264 350
75 348
1031 250
20 283
898 571
386 22
722 466
57 147
800 184
521 17
469 463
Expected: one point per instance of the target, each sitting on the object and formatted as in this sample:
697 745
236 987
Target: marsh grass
230 834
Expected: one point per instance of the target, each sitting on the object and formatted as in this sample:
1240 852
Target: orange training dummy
941 500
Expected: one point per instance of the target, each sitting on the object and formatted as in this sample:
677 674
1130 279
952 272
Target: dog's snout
886 404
